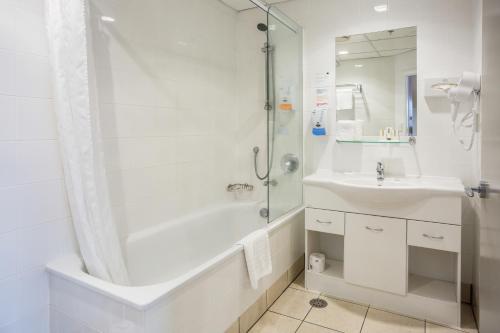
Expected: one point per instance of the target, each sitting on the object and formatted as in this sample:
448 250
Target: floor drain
318 303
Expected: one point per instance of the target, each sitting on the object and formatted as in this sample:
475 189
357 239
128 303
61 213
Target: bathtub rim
70 268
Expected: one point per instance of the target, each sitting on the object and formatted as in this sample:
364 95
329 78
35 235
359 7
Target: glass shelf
403 140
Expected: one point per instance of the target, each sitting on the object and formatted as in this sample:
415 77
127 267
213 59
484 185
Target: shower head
262 27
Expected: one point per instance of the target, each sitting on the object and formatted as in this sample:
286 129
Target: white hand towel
345 99
257 256
346 130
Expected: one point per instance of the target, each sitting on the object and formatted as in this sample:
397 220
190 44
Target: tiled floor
292 313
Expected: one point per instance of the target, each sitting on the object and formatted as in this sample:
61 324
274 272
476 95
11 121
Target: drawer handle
433 237
374 229
324 222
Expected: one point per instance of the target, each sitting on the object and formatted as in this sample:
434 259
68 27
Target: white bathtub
188 275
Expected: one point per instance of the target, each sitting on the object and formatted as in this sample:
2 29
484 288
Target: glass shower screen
284 38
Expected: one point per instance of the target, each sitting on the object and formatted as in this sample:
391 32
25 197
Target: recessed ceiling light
380 8
343 52
107 19
358 65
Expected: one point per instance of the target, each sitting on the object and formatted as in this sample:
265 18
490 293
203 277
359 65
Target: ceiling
376 44
246 4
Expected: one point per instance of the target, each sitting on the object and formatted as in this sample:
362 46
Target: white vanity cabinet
375 252
403 257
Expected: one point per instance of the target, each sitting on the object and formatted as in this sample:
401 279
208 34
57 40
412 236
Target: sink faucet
380 172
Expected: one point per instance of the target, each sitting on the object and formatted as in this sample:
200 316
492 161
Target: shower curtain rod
276 13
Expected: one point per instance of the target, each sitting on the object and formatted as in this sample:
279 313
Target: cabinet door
375 252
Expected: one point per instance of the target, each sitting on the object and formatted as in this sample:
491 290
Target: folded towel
345 99
346 130
349 129
257 256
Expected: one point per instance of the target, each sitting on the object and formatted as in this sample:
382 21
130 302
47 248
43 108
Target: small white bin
317 262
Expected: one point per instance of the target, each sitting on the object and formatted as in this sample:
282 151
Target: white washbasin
372 182
364 187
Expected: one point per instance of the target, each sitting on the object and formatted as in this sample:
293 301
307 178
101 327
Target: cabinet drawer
325 221
375 252
434 235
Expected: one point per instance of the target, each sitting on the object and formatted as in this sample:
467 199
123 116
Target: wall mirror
376 86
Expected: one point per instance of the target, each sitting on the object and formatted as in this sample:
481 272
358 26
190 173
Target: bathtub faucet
239 188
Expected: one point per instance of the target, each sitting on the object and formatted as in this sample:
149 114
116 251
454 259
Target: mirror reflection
376 85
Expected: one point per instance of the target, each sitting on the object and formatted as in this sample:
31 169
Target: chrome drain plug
318 303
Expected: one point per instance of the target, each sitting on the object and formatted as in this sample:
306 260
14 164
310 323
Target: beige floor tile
293 303
299 282
275 323
339 315
433 328
468 321
378 321
310 328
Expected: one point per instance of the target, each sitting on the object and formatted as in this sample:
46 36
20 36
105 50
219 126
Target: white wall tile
35 119
7 79
7 117
8 304
35 322
37 161
32 76
33 292
9 207
7 254
31 208
7 27
35 246
8 165
30 32
34 5
66 238
46 202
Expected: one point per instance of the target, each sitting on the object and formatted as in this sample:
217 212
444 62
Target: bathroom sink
364 187
372 182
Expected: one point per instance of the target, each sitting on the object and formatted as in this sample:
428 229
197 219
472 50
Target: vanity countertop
367 183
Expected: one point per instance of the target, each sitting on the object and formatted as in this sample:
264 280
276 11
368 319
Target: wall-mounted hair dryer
466 90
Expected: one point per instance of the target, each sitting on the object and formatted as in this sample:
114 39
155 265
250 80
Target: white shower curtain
80 142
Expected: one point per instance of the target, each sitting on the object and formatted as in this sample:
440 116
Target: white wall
34 217
446 46
166 85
